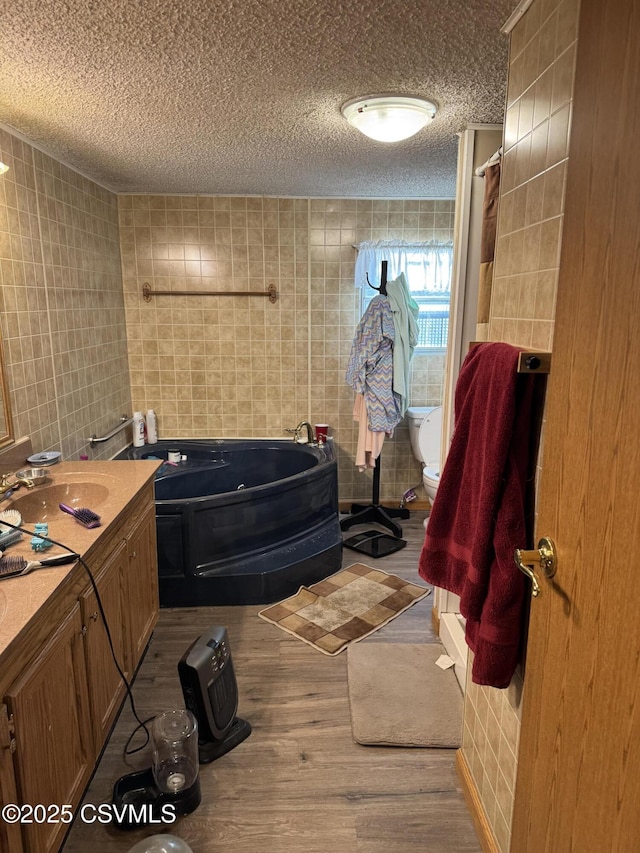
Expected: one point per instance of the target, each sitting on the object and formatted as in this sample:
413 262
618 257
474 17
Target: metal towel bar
271 293
125 420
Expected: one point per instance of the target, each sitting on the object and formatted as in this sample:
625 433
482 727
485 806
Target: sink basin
42 503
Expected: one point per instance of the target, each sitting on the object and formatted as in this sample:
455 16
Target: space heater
211 694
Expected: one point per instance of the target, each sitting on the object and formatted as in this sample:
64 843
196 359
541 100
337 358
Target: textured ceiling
243 96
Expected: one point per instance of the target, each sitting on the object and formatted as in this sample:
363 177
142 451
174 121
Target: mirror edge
8 437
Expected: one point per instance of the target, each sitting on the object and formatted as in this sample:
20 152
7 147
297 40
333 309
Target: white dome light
388 118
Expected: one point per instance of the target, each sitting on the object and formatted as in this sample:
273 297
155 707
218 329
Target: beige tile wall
210 367
536 136
239 366
62 307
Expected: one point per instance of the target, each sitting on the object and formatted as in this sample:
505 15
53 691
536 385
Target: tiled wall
240 366
537 125
532 189
209 366
62 318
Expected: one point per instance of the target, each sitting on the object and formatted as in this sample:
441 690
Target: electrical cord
142 724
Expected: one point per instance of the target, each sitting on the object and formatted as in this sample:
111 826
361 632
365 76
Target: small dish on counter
33 476
47 457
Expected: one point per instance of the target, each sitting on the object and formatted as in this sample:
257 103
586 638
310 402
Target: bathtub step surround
243 521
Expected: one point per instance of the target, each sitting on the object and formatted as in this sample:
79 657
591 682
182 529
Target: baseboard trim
417 505
474 804
435 621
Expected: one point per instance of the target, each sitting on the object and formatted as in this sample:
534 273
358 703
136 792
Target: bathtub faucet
296 433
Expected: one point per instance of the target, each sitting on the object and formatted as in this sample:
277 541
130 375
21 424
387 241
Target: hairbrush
83 515
10 538
12 567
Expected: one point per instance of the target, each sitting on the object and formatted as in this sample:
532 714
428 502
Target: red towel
478 516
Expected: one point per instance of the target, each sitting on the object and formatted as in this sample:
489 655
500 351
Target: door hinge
9 730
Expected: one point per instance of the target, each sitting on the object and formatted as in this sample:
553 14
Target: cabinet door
140 586
54 748
10 835
105 685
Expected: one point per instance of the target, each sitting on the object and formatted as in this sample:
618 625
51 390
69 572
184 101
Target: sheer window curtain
427 266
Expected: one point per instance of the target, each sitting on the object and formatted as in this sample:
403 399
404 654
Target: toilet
425 429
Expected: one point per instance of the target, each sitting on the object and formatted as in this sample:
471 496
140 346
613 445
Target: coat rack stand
373 512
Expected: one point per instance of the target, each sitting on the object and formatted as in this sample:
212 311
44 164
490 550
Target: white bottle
138 429
152 427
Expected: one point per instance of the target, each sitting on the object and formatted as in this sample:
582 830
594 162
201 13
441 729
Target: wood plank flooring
299 784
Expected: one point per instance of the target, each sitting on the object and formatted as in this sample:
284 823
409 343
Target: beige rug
344 608
399 697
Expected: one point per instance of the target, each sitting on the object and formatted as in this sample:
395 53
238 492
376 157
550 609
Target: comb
85 516
12 567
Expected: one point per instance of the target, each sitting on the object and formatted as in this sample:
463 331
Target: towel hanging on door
479 513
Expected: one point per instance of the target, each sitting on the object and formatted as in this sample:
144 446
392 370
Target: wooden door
578 786
54 749
106 688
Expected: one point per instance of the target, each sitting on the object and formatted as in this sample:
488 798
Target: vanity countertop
117 483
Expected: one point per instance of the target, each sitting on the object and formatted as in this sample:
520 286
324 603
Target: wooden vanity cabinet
10 834
54 754
64 692
106 689
140 586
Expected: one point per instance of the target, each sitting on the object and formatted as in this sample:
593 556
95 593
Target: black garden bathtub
243 521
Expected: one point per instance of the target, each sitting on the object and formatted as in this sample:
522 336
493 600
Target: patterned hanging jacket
370 370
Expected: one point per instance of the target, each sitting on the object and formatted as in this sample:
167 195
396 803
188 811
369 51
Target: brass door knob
544 556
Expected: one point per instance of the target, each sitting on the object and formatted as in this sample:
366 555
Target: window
427 267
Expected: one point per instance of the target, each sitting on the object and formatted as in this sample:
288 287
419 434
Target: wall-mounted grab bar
125 420
271 293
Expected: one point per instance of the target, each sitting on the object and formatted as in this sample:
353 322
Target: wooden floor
299 784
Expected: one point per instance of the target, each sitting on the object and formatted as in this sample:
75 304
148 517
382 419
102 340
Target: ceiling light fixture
3 168
389 118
